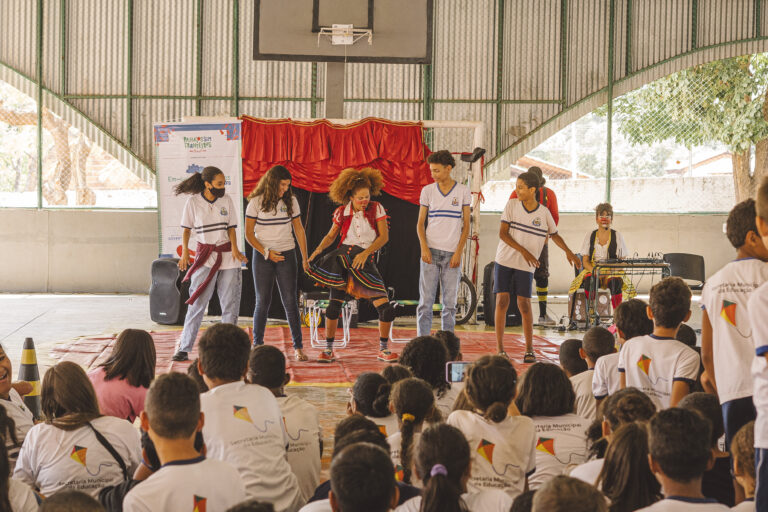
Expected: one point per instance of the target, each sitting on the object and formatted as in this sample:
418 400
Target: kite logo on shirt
485 448
78 454
399 473
546 445
199 503
242 413
728 312
644 363
383 430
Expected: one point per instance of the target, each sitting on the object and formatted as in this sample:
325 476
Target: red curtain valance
316 152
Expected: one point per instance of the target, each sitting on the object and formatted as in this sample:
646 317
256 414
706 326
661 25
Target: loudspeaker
489 302
167 294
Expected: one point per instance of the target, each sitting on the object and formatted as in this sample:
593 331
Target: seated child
70 501
413 402
243 422
658 364
426 356
565 494
743 453
631 320
186 479
503 447
570 360
266 367
546 396
362 478
598 342
680 453
15 493
370 397
396 372
18 417
442 463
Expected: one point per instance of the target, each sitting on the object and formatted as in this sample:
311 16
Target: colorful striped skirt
334 270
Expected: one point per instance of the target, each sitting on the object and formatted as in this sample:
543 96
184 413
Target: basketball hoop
344 35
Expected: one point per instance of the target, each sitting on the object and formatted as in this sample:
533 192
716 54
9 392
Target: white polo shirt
529 229
181 486
561 444
274 229
209 222
606 379
444 214
758 312
503 454
586 407
724 298
652 364
302 426
53 459
22 418
360 233
244 427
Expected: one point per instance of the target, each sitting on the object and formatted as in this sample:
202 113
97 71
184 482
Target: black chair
689 267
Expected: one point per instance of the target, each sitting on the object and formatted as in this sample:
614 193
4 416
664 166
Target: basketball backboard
288 30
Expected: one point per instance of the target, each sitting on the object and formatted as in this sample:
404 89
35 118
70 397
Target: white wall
111 251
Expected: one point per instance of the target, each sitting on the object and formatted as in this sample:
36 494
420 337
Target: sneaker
326 356
387 356
529 357
180 356
547 321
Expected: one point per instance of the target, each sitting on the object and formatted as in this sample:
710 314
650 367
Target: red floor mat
359 356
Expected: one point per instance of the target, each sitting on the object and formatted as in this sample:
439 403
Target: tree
722 101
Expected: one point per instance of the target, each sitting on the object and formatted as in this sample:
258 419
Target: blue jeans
264 275
439 271
228 283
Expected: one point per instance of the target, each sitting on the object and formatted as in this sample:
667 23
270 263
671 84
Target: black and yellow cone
29 372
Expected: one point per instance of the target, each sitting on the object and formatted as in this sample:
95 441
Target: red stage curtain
316 152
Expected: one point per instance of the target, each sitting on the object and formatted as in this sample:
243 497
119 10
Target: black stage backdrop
398 260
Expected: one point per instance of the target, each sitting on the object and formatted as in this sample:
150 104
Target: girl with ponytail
503 447
413 402
211 213
444 465
370 397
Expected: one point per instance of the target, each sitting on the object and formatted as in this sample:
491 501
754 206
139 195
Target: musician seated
601 245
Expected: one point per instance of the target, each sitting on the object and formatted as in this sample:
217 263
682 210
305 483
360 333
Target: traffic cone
29 372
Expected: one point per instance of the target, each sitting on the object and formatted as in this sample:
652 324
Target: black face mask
217 192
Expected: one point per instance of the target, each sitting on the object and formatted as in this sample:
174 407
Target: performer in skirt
350 269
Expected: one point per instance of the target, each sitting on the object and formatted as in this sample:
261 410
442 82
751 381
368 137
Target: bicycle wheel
466 301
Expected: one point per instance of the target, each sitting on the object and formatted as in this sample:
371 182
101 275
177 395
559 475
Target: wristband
266 253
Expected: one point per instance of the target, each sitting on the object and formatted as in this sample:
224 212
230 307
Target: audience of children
426 356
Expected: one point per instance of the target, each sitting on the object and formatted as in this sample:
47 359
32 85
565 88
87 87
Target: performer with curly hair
349 269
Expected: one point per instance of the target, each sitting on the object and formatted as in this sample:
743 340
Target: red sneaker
326 356
387 356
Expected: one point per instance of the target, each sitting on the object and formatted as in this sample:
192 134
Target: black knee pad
333 311
386 312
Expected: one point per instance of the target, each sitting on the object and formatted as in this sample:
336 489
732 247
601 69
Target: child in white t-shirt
15 411
503 447
243 422
362 478
412 402
598 342
579 374
442 463
426 356
547 397
186 480
68 450
727 348
266 367
679 445
370 397
658 364
562 492
743 454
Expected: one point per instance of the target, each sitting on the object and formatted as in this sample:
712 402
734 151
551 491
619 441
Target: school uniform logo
78 454
455 201
485 448
283 209
199 503
546 445
728 312
644 363
224 211
383 430
537 222
242 413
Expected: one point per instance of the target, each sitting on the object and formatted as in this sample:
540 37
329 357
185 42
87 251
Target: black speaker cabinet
514 318
168 295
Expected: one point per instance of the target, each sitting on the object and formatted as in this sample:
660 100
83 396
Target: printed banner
183 149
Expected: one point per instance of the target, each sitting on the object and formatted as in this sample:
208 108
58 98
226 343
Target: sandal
529 357
504 355
299 355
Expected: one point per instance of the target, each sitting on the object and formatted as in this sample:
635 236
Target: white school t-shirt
601 251
395 442
22 418
209 222
444 402
196 484
745 506
758 312
586 407
606 379
387 425
53 459
273 229
360 233
589 471
444 215
503 454
561 444
529 229
724 298
677 504
21 496
244 427
482 501
302 425
652 364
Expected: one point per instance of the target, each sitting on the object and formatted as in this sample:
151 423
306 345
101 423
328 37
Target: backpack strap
111 449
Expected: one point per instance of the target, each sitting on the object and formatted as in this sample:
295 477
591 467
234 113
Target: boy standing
727 348
658 364
446 204
186 480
